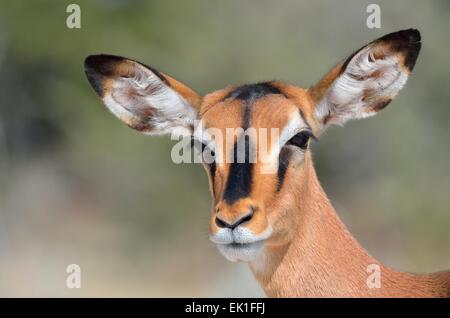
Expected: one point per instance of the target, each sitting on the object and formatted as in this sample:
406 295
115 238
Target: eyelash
300 140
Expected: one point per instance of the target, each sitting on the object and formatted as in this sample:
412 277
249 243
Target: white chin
241 252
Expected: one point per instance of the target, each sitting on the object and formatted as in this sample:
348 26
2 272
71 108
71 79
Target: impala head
251 197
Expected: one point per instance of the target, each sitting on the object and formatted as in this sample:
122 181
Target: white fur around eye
365 80
296 124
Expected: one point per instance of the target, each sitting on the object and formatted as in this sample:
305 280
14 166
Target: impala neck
320 258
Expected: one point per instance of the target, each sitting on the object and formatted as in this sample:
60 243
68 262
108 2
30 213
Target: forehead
263 105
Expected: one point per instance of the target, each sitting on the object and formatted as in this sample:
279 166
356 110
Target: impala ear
368 80
141 97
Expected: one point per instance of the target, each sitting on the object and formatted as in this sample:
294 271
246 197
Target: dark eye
201 147
300 140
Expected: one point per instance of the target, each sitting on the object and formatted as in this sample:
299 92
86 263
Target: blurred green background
76 186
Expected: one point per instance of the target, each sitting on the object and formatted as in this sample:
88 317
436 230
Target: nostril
223 224
246 218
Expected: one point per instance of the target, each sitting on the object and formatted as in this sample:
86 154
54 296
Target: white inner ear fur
378 79
135 98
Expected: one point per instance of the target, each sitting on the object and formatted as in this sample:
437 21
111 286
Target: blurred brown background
76 186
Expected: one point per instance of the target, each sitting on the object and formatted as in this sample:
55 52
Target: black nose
220 222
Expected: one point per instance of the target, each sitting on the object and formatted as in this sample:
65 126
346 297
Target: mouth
244 252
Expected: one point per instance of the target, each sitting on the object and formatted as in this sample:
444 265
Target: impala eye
300 140
201 147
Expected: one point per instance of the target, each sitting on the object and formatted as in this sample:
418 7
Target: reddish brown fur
310 253
317 257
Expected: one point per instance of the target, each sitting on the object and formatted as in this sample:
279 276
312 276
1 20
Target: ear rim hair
103 71
403 45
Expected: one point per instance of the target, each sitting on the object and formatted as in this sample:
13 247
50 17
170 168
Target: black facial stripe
246 116
240 176
212 171
251 92
285 155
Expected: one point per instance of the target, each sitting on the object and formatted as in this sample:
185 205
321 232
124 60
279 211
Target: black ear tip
102 63
90 61
405 41
402 37
93 67
97 67
411 35
411 47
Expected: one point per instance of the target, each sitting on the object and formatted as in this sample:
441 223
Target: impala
281 223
